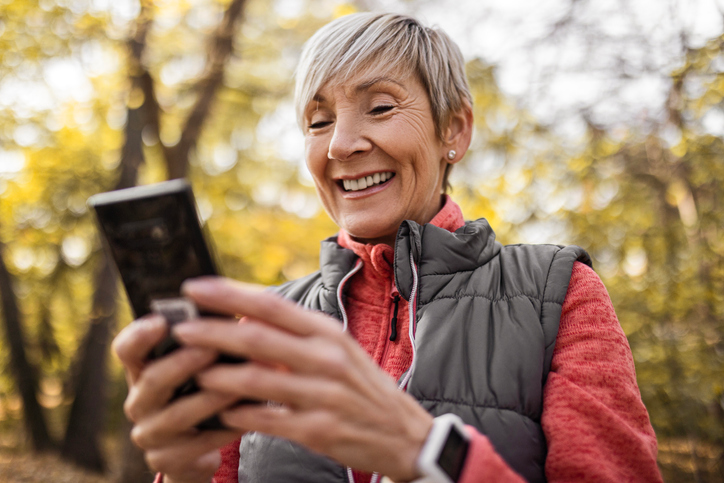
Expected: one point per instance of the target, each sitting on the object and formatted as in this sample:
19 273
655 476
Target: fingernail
152 322
210 460
185 329
195 286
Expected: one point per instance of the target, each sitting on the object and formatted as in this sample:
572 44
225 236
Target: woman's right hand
166 431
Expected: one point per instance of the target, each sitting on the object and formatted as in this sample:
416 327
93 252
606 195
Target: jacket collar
446 245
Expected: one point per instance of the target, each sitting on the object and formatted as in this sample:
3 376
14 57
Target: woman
413 315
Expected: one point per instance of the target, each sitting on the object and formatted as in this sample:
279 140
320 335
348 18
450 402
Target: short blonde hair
346 46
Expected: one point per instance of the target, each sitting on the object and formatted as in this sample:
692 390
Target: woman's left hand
336 400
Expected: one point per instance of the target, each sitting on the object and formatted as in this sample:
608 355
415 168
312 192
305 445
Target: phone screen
154 236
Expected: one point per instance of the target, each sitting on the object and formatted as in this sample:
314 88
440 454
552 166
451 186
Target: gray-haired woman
421 349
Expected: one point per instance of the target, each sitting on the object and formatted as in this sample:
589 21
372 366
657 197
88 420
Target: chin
373 232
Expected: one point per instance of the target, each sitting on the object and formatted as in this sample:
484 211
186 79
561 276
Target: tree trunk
86 420
87 414
24 373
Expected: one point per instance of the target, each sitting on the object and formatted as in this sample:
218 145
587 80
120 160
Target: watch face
452 456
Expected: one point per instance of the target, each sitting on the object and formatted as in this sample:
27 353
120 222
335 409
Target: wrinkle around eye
381 109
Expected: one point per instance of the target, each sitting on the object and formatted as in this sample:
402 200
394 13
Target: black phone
154 235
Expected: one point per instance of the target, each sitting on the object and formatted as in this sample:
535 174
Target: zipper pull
393 325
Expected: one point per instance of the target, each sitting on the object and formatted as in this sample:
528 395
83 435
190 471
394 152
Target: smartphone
154 236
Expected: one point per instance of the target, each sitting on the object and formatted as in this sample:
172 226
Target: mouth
366 182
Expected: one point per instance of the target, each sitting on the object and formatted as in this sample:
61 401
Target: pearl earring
451 154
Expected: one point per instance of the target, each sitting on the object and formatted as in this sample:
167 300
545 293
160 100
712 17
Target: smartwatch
442 457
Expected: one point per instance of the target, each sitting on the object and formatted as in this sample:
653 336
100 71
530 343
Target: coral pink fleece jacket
595 423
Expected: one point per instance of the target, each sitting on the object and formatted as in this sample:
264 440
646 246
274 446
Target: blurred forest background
599 123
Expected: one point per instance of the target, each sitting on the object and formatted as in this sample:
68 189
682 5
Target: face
372 150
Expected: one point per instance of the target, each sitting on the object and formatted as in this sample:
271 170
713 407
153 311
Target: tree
85 422
81 443
25 374
645 201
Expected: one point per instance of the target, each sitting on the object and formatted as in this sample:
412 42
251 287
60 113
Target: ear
458 133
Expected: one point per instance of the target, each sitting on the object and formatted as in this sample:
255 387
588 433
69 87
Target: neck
384 240
389 239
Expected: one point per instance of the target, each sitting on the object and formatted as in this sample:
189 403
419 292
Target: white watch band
427 460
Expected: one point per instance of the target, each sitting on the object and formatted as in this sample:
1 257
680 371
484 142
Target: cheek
315 158
415 141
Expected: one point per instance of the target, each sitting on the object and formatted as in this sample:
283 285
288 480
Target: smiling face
372 150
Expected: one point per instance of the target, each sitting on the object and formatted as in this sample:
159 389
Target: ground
26 467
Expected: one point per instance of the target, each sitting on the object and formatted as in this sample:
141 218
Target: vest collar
434 250
335 262
437 251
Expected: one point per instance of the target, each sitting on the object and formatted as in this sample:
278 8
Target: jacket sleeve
594 420
228 471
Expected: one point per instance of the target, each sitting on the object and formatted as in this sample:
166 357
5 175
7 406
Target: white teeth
365 182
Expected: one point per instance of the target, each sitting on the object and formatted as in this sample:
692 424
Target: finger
157 382
177 418
135 341
188 460
261 383
314 429
185 469
353 442
332 356
231 297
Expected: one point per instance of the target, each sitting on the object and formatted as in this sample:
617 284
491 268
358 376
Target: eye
381 109
318 124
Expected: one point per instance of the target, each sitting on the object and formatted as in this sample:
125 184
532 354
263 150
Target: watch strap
443 454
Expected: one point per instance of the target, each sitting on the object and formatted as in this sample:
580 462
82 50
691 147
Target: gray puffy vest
487 318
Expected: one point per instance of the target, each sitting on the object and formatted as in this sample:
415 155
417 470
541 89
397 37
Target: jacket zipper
393 323
393 327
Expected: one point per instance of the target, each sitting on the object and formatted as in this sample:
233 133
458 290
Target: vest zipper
412 326
393 324
402 385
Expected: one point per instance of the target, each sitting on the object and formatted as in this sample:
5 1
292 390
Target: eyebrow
318 98
376 80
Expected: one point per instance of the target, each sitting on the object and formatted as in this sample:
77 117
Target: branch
220 49
146 114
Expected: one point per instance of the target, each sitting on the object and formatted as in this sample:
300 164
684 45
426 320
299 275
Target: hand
166 431
336 400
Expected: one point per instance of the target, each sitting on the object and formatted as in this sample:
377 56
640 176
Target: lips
366 181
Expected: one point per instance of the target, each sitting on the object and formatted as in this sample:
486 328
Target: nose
348 139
